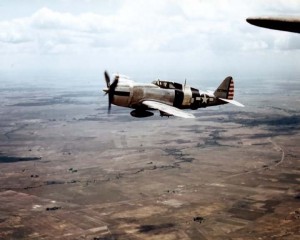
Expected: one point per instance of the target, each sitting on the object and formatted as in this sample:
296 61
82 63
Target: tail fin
225 92
226 89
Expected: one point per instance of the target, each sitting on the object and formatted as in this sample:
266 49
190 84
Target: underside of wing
167 109
289 24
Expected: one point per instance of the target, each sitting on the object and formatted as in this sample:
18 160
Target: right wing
167 109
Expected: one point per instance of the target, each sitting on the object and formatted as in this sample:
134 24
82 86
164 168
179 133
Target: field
70 171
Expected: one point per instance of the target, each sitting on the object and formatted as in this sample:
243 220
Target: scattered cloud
143 26
132 29
14 31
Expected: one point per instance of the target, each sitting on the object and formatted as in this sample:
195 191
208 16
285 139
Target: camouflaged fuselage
131 94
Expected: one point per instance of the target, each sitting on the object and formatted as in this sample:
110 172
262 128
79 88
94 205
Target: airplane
170 98
288 24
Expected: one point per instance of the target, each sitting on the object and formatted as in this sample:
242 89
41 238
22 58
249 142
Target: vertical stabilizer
226 89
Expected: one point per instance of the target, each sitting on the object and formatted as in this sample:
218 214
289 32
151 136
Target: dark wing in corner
289 24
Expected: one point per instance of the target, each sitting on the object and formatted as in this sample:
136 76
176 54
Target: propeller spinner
110 88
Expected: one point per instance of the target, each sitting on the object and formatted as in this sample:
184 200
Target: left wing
167 109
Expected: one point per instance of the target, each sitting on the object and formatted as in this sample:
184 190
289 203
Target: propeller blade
114 84
107 79
111 92
110 100
109 107
111 88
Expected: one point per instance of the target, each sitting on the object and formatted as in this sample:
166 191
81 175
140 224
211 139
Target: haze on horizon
146 39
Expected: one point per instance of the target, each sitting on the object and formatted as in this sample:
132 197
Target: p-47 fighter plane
167 97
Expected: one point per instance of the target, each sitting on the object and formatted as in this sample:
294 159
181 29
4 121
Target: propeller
110 89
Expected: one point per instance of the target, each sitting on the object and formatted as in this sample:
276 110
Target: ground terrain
70 171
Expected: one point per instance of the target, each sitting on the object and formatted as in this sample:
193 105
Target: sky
173 39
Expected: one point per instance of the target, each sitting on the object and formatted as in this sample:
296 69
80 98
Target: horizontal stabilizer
232 102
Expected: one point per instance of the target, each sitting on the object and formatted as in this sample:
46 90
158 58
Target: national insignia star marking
204 99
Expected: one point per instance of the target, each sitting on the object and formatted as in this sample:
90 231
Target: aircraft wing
167 109
289 24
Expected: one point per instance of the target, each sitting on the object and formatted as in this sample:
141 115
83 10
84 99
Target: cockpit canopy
167 84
